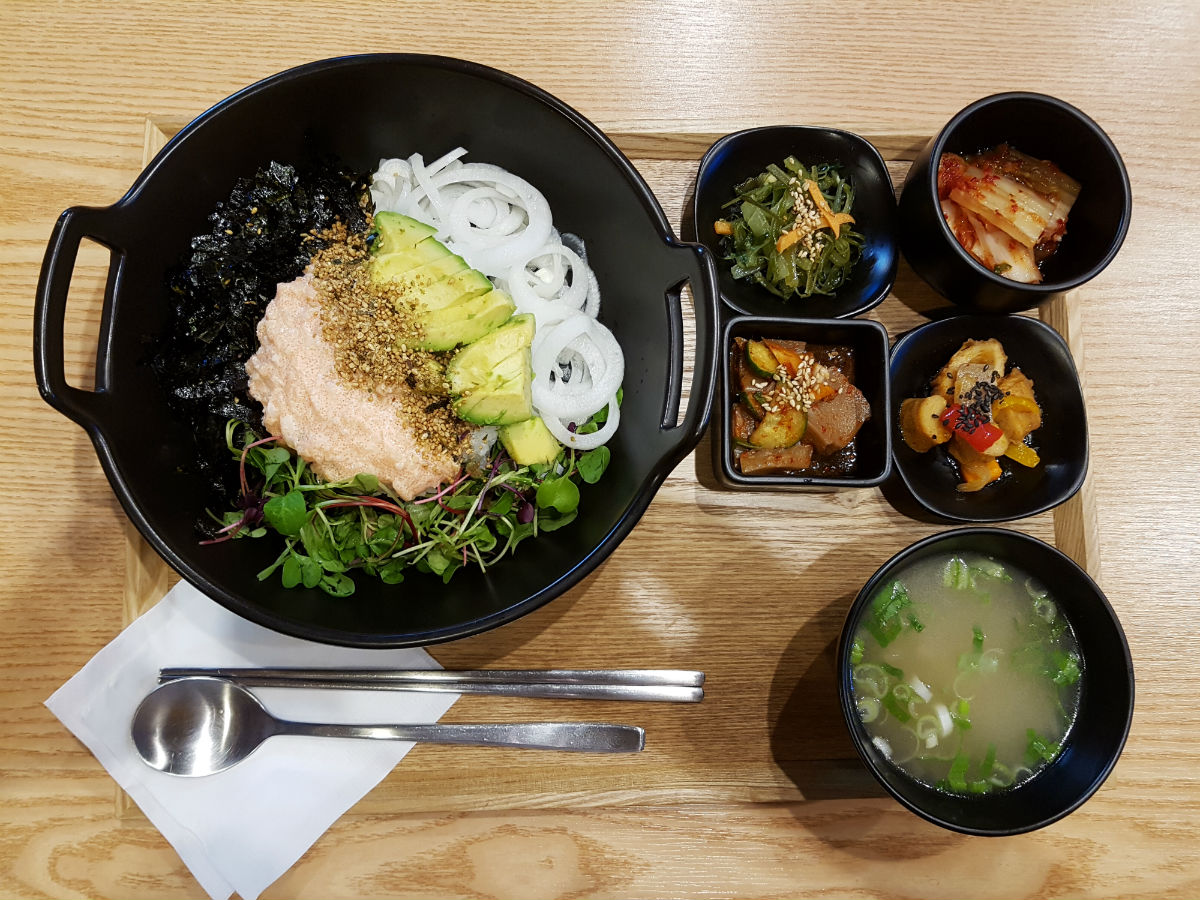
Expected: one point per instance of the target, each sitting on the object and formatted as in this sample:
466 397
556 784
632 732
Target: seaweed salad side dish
789 229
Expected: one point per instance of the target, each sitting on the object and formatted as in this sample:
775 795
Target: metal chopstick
591 684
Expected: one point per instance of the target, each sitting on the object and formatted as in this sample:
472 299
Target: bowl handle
78 222
692 264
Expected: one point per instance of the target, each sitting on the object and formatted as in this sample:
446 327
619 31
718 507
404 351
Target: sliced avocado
452 289
396 232
391 265
465 320
473 365
397 267
530 442
508 403
504 398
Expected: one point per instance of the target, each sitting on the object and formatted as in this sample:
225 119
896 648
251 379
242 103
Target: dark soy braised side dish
796 409
965 673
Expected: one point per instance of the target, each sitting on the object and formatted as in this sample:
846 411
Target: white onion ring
570 439
551 298
597 369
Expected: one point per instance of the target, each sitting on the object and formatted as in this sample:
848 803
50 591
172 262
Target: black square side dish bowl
869 342
1046 128
361 109
1094 743
1062 441
744 154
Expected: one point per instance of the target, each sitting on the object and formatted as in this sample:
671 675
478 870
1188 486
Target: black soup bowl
1095 740
1044 127
930 479
361 109
742 155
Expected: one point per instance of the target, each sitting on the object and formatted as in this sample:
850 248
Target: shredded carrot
788 238
835 221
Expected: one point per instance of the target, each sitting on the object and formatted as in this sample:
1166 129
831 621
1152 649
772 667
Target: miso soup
965 673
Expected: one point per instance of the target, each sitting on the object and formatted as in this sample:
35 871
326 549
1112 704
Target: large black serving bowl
362 109
1095 740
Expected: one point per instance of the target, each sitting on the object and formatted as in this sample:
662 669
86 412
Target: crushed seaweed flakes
262 235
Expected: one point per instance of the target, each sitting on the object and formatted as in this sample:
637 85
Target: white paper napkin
241 829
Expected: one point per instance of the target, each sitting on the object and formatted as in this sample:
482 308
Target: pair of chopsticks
665 685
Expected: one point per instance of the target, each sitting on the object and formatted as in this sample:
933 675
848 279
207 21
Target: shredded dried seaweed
261 236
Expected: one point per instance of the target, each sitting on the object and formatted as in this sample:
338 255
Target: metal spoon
199 726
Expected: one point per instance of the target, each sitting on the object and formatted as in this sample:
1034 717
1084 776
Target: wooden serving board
749 587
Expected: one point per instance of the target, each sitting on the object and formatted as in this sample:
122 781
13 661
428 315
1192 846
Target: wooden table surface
756 799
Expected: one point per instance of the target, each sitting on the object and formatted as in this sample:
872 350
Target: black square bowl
1044 127
869 342
1062 442
744 154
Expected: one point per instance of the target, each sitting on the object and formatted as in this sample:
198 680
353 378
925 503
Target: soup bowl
1044 127
359 110
1092 745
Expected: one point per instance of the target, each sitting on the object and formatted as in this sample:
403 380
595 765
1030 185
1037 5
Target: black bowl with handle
360 109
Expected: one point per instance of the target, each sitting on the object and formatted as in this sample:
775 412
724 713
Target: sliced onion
502 226
601 373
570 439
944 719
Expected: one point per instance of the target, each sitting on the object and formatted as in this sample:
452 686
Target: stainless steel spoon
199 726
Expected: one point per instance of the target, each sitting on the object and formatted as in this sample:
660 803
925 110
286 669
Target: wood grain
752 792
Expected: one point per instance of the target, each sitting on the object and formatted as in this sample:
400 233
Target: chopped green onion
989 762
883 620
1039 748
856 652
868 709
957 776
896 706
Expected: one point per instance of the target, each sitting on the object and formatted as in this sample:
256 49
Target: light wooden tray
751 588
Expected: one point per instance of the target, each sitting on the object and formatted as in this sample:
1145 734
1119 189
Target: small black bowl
1062 441
873 444
744 154
1043 127
1094 742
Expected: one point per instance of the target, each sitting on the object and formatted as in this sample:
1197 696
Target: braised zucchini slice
785 356
761 360
779 429
752 400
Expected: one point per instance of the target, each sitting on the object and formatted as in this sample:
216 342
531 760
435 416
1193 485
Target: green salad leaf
329 529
